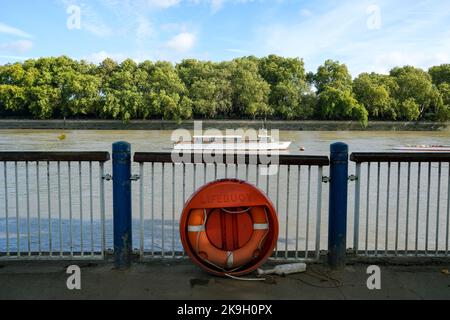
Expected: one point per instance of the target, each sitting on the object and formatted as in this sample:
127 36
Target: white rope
236 212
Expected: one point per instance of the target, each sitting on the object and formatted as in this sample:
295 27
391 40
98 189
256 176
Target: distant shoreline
222 124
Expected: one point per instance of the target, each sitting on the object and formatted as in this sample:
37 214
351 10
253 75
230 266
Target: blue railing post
337 231
122 204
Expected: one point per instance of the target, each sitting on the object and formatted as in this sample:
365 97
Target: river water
163 231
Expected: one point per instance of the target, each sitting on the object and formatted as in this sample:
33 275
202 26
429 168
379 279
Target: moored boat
229 143
423 148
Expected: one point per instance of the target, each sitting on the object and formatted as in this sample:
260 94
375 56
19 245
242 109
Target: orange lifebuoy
227 260
229 227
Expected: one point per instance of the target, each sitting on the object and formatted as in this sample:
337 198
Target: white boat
423 148
230 143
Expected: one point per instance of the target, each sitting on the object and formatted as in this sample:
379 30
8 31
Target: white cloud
387 61
182 42
409 34
20 46
144 29
216 5
4 28
91 21
306 13
99 57
164 4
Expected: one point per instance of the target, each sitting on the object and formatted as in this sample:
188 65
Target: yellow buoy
62 137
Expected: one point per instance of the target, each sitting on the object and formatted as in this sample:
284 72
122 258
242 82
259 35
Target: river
315 143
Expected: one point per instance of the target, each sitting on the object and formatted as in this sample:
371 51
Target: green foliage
373 92
440 74
250 90
287 80
272 87
332 74
336 104
209 87
416 97
336 99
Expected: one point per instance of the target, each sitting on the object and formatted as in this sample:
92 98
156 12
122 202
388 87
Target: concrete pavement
183 281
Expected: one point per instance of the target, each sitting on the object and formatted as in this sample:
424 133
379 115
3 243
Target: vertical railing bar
38 207
102 207
386 241
286 253
195 176
397 214
60 209
69 166
91 208
408 196
49 202
215 171
5 176
319 211
297 231
418 207
357 208
205 172
428 208
226 170
308 207
448 212
17 209
27 181
184 186
268 178
81 209
367 209
163 224
438 211
378 208
173 208
141 211
153 208
257 175
278 202
246 172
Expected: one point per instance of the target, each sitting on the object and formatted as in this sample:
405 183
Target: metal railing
402 204
296 191
53 205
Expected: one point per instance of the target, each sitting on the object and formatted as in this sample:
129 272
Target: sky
373 35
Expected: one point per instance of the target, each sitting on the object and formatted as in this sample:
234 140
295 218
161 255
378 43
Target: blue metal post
337 231
122 204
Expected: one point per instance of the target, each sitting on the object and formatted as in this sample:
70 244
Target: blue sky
372 35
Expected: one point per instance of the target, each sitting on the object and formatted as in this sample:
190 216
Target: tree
416 97
250 91
169 96
209 87
336 104
440 74
373 92
287 80
13 95
123 99
332 74
335 94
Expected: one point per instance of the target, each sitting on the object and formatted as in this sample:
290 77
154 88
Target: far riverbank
222 124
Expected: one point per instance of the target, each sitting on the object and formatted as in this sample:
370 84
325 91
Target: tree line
271 87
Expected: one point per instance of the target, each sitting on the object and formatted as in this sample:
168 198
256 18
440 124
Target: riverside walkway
183 281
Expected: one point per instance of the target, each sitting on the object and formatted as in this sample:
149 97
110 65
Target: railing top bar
239 158
55 156
399 157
